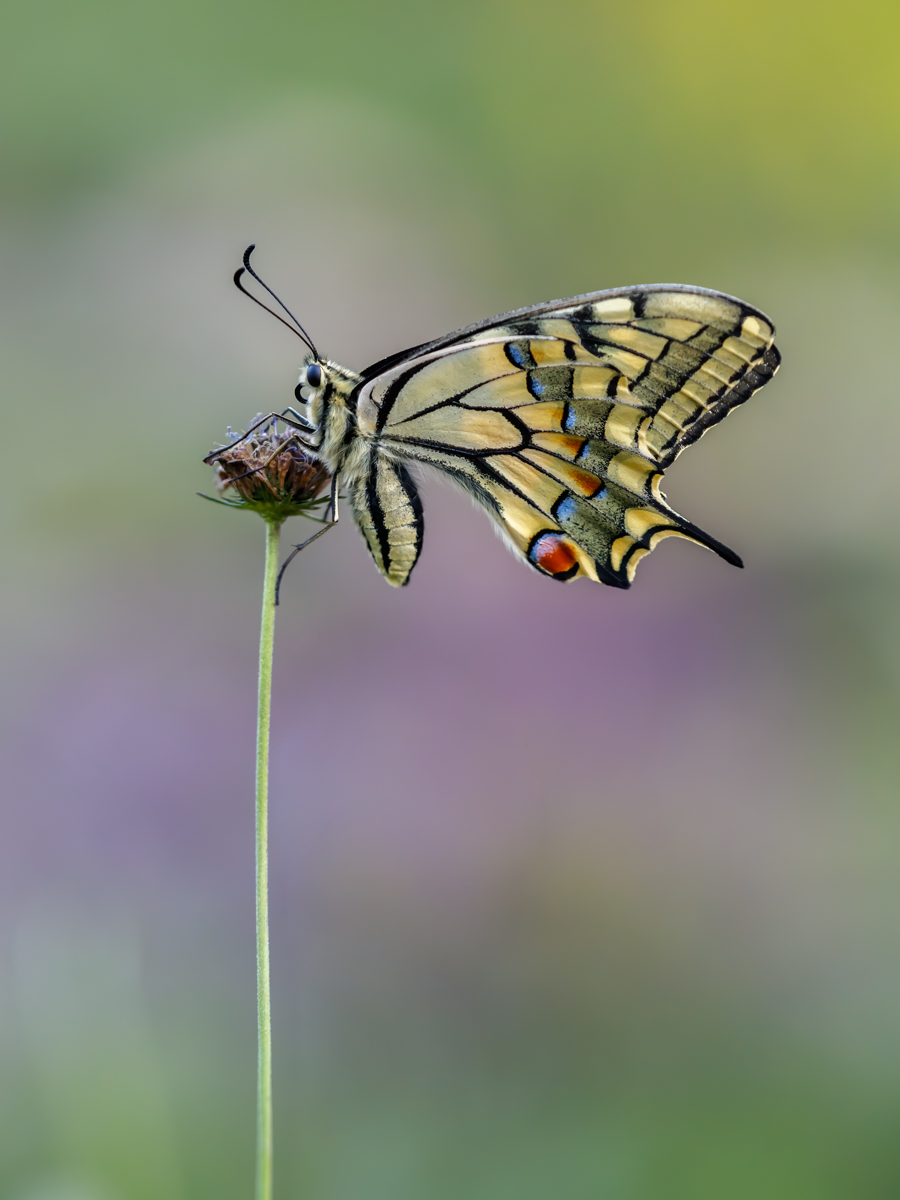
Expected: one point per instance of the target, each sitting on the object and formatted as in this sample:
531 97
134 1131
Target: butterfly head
326 389
312 380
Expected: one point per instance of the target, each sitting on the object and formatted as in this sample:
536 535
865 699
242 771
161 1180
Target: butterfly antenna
237 277
240 287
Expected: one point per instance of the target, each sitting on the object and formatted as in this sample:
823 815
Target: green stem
264 1008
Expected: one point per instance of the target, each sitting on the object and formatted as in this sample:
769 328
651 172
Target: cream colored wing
561 419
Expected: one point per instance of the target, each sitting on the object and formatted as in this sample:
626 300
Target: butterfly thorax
333 412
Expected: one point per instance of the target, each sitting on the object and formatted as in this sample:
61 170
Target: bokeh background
576 893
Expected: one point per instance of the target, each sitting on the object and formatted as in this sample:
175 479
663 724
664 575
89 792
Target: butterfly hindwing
387 508
561 419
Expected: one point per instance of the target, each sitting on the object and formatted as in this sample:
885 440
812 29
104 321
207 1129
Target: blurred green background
576 894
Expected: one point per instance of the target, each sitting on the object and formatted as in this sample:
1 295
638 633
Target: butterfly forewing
562 418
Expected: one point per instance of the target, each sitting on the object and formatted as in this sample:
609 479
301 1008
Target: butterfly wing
561 419
388 511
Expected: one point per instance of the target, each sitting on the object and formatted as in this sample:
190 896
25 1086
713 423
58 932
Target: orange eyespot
553 554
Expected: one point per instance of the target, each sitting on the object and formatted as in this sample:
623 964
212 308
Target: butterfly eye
310 381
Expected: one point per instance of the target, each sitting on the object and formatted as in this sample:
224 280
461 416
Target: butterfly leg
272 416
299 417
293 554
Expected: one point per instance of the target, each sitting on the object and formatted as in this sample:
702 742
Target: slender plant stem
263 1001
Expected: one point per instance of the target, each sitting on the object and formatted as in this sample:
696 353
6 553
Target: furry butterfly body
559 419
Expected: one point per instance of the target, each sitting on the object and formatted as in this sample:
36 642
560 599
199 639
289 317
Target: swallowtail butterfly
559 419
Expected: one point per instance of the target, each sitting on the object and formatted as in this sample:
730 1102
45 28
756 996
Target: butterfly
559 419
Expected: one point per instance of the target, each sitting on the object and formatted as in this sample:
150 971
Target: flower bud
269 473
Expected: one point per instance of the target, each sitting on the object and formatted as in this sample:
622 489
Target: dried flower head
270 474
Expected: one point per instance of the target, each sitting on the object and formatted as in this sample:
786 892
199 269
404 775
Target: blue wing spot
535 386
566 508
515 355
569 419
